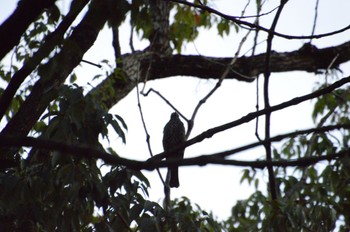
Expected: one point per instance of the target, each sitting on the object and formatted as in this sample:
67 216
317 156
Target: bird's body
174 134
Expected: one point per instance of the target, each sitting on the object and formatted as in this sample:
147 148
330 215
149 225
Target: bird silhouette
173 135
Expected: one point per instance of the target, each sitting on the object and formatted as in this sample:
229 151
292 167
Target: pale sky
216 188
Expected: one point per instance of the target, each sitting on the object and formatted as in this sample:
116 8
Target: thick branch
308 58
13 28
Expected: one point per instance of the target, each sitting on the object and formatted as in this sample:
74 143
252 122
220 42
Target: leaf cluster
314 198
185 22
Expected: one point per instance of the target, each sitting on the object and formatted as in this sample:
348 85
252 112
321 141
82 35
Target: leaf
118 130
223 27
245 176
54 14
72 78
120 119
135 212
151 206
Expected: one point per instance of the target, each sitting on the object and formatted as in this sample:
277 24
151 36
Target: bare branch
245 68
301 162
148 137
278 138
167 102
315 19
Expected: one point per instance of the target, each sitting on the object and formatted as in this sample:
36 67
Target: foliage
185 25
311 198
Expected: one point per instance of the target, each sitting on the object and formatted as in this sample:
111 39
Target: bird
173 135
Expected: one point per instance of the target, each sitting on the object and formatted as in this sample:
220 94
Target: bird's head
174 115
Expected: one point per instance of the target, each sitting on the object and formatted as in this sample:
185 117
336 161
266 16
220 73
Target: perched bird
173 135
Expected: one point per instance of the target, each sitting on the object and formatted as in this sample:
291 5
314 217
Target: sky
217 188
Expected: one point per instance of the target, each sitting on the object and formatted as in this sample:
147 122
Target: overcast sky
216 188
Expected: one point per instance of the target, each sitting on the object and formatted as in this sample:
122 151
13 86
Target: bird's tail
174 177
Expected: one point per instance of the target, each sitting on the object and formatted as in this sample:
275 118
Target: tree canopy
56 174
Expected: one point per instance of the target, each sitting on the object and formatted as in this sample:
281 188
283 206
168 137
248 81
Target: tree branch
93 153
278 138
267 73
308 58
260 164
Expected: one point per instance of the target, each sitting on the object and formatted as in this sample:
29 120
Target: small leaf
135 212
118 130
120 119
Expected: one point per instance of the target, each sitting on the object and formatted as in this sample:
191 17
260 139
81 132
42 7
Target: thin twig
166 101
331 64
131 40
257 76
148 137
315 19
91 63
